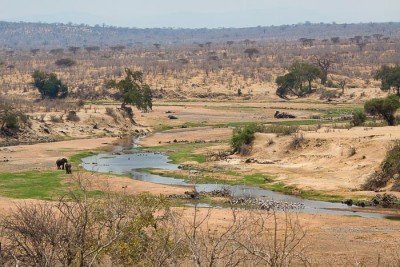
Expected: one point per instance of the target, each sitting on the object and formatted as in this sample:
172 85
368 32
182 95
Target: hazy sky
199 13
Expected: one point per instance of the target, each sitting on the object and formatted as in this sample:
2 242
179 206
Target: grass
41 185
76 158
299 122
305 194
179 153
32 184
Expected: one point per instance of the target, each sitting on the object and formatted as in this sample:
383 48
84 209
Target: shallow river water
132 162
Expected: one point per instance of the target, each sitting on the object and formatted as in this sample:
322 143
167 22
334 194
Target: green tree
133 90
288 83
293 82
384 107
49 85
389 77
305 72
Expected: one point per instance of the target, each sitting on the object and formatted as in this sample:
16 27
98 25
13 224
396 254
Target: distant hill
24 35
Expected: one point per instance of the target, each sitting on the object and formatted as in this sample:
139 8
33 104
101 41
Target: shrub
359 118
297 139
242 137
72 116
111 112
388 169
56 119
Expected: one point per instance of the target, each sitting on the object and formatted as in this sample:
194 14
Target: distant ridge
26 35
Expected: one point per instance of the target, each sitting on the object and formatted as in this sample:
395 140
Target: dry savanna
311 118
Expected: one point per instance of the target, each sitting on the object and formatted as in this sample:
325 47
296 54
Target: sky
200 13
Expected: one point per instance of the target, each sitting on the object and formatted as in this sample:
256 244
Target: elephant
60 163
68 168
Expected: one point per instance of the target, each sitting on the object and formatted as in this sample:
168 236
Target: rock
283 115
385 200
360 204
192 194
172 117
348 202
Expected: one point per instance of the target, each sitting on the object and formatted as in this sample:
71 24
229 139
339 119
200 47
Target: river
130 161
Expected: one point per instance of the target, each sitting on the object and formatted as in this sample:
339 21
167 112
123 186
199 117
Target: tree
251 52
292 82
307 41
324 63
49 85
34 51
288 83
306 72
335 40
383 107
11 119
65 62
389 77
133 90
74 49
90 49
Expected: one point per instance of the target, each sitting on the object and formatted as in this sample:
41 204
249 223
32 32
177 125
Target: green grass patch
179 153
76 159
235 124
46 185
162 128
32 184
194 124
300 122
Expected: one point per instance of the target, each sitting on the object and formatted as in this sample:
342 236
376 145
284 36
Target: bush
72 116
56 119
111 112
359 118
297 139
242 138
390 167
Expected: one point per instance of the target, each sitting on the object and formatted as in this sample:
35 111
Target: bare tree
325 63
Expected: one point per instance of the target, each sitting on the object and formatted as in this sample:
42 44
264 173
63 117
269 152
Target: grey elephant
68 168
60 163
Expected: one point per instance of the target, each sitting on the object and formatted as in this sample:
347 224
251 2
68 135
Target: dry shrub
297 140
280 130
72 116
375 181
57 119
389 169
349 151
111 112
